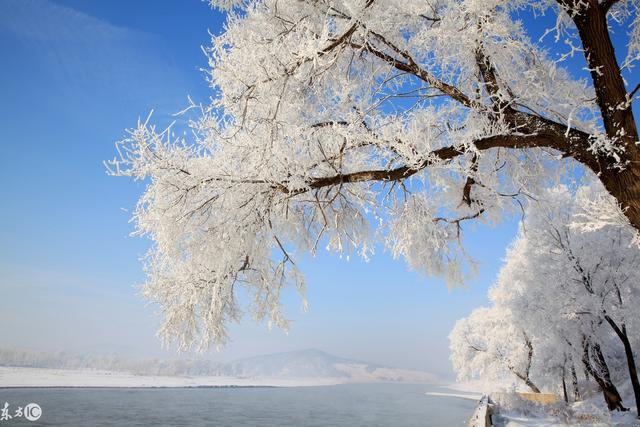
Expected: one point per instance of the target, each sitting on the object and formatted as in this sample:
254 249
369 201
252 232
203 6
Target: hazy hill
303 363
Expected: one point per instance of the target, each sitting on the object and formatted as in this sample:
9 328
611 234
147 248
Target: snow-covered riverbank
42 377
511 410
471 396
293 369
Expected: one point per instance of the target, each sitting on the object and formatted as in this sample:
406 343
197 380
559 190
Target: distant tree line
62 360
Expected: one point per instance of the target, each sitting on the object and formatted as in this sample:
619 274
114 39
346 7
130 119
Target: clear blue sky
74 75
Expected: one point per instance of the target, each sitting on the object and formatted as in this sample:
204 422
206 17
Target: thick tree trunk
621 332
611 94
603 378
611 396
625 187
609 393
612 100
633 372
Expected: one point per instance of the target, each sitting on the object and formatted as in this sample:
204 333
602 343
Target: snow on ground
479 386
513 411
521 421
42 377
625 419
309 367
472 390
472 396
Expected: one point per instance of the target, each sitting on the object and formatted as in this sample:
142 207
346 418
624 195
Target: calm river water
341 405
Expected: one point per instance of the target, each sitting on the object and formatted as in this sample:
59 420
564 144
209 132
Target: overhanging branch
437 156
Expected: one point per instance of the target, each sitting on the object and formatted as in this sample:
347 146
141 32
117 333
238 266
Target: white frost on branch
345 125
596 209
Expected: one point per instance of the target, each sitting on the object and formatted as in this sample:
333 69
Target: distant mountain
304 364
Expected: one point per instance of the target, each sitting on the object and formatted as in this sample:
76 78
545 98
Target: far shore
22 377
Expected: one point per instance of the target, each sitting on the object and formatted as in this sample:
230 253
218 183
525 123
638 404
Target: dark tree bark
531 385
534 388
611 95
564 385
602 376
621 332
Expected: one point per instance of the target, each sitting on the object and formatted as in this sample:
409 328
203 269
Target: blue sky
74 75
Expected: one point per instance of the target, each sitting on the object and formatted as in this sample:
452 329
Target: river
341 405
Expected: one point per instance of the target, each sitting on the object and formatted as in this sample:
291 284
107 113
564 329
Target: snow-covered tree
599 270
574 293
345 123
489 345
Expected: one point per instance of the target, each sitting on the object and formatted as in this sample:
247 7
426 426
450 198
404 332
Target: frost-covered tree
598 271
345 123
574 292
489 345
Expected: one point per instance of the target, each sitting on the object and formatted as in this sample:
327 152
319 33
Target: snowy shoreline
18 377
474 397
23 377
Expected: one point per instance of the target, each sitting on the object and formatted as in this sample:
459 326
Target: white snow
460 395
42 377
298 368
514 412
